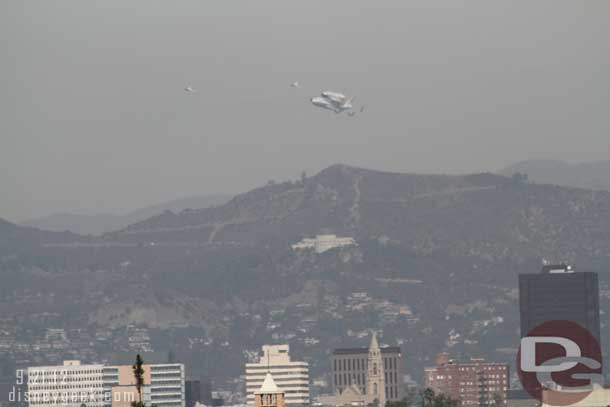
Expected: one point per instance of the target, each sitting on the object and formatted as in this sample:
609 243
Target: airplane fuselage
334 101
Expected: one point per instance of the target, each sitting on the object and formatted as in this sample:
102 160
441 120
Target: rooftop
268 386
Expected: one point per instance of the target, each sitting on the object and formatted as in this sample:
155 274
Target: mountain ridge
357 201
97 224
588 175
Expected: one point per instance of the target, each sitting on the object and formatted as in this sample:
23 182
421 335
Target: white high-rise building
67 385
73 384
291 377
167 385
163 385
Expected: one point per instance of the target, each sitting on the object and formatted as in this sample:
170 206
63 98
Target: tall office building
67 385
73 384
163 385
356 376
559 293
198 390
475 383
292 377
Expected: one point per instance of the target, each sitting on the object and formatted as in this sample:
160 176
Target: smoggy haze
94 117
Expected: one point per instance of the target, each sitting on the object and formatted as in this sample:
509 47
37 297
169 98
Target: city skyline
304 204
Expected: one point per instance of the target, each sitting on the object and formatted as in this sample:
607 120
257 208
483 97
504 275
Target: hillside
589 175
15 238
435 269
102 223
481 215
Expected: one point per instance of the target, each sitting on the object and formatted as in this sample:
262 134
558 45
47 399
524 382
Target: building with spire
375 383
364 376
292 377
269 395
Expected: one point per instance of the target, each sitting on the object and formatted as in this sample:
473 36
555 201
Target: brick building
475 383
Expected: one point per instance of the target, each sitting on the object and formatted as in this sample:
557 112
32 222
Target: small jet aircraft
189 89
296 85
335 101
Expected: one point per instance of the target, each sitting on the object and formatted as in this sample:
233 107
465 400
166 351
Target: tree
497 400
445 401
430 399
409 400
427 398
138 374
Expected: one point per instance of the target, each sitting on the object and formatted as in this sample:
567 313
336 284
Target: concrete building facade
292 377
163 385
67 385
72 384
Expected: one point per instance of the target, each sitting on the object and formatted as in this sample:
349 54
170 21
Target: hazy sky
93 116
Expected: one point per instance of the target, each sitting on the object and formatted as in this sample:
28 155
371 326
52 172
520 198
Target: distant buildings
475 383
362 375
559 293
322 243
56 385
73 384
198 391
292 377
192 392
163 384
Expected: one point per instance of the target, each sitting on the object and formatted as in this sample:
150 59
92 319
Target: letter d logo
528 353
559 363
